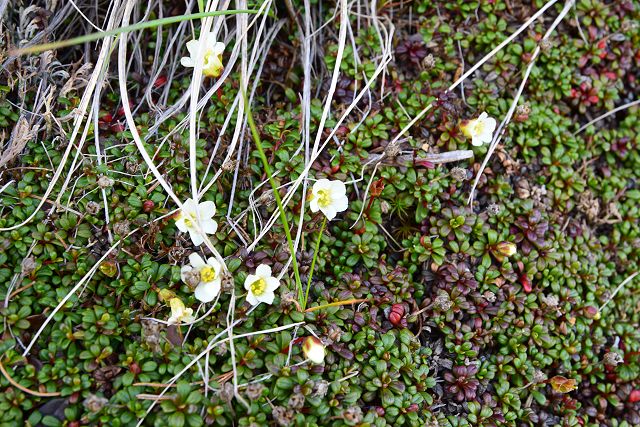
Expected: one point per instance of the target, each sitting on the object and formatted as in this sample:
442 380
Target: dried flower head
320 388
121 228
254 391
443 302
459 174
296 401
28 265
352 415
105 182
95 403
92 208
612 359
283 416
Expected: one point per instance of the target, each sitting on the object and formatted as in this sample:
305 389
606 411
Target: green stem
139 26
276 194
313 263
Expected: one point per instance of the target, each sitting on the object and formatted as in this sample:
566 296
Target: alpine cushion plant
261 286
205 277
418 309
211 52
197 220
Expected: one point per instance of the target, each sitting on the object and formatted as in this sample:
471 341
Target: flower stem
313 263
276 194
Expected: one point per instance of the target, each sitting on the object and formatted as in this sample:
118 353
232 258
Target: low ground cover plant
320 213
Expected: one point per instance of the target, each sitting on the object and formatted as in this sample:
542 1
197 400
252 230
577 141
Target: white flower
330 197
261 285
313 349
179 313
211 50
204 275
480 130
197 219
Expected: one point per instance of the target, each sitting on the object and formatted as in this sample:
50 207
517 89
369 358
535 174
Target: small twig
607 114
23 388
620 286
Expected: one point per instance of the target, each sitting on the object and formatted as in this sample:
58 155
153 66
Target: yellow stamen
324 198
258 287
207 274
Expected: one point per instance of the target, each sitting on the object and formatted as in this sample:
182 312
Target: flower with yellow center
179 313
211 51
480 130
260 286
205 276
197 220
329 197
313 350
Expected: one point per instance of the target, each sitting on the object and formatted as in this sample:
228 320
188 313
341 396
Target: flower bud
313 349
506 248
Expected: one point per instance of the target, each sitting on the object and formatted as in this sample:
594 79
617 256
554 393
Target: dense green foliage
453 332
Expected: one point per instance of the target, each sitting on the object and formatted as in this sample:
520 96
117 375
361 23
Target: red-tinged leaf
526 284
160 81
634 396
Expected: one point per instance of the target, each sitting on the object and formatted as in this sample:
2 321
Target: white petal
476 141
196 260
316 354
209 226
206 210
483 116
192 47
215 264
187 62
263 271
313 205
341 203
218 48
209 40
490 125
206 292
181 225
272 284
196 237
249 280
267 297
321 184
251 299
338 188
189 207
329 212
